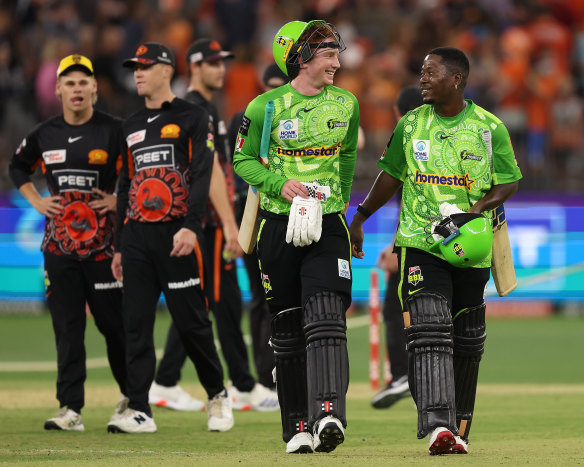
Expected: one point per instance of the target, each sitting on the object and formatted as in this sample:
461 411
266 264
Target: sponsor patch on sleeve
239 143
22 145
244 128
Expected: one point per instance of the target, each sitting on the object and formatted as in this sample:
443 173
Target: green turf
529 408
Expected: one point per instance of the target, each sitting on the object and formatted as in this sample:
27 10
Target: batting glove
304 222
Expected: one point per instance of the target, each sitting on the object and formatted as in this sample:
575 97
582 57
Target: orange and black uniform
221 286
164 186
78 243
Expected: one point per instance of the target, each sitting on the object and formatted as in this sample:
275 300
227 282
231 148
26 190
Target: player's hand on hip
48 206
183 242
106 201
294 188
387 260
357 235
117 266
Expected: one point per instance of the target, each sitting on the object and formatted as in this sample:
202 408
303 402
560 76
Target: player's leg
469 340
426 285
395 340
326 294
66 301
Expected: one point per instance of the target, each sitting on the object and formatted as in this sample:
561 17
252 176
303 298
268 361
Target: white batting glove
447 209
304 222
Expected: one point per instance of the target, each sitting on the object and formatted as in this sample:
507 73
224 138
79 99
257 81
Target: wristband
364 212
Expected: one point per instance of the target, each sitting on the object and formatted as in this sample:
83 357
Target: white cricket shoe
328 434
132 421
301 443
441 441
65 419
120 408
460 446
220 413
260 399
174 397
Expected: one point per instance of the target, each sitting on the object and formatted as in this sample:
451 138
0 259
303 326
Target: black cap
206 50
151 53
273 71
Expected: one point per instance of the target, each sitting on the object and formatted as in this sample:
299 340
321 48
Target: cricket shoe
328 434
173 397
260 399
460 446
396 390
132 421
65 419
120 408
301 443
220 412
441 441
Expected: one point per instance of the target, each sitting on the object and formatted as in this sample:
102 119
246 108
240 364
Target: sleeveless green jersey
312 139
454 160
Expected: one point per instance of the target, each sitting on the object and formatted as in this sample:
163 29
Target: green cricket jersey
446 160
312 139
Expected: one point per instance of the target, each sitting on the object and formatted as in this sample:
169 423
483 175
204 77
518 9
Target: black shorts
423 272
291 275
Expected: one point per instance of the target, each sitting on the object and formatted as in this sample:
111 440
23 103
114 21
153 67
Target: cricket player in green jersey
303 241
456 164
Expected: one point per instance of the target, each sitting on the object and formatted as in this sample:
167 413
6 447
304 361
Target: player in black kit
163 193
78 152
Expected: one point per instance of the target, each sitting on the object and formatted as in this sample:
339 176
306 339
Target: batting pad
469 345
431 373
327 358
290 358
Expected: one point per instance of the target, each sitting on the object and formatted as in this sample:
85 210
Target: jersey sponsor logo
412 292
184 284
98 156
56 156
161 155
76 180
170 131
108 285
467 155
288 129
239 143
151 119
344 268
421 149
21 145
72 140
321 151
210 141
136 137
244 127
415 275
332 124
445 180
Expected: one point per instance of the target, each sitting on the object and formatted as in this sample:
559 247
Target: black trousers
224 298
395 338
70 284
149 270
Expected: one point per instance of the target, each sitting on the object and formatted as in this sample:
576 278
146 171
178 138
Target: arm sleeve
123 193
246 161
505 169
25 161
393 159
348 156
202 150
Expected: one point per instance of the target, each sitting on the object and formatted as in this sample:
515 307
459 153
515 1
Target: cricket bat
502 265
248 230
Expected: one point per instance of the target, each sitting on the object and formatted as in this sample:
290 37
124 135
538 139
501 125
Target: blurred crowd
527 63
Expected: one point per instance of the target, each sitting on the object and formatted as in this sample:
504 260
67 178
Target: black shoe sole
303 450
114 429
330 437
52 426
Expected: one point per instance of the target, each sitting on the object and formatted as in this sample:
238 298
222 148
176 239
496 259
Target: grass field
529 407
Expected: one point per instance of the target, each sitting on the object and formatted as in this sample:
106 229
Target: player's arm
218 196
23 164
246 161
201 165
